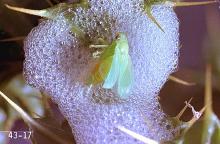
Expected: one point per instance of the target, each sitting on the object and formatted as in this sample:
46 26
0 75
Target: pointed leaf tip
41 13
149 14
137 136
180 81
182 4
184 109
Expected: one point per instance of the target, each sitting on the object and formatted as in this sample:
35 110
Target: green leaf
200 132
205 130
215 139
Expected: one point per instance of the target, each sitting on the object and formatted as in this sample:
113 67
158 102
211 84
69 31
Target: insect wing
113 74
125 77
100 71
102 68
109 51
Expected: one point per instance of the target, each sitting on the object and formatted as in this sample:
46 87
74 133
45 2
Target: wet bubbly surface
56 62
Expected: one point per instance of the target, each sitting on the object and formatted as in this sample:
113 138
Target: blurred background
200 44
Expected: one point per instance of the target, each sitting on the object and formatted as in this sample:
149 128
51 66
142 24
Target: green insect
114 67
149 3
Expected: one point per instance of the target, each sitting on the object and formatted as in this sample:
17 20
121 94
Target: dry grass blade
27 11
29 120
208 91
196 114
137 136
183 110
20 38
179 81
194 119
182 4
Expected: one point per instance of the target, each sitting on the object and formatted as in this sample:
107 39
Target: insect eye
117 36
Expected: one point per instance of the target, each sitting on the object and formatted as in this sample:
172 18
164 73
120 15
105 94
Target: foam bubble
56 61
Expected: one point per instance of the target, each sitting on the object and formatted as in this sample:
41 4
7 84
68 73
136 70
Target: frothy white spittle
56 63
